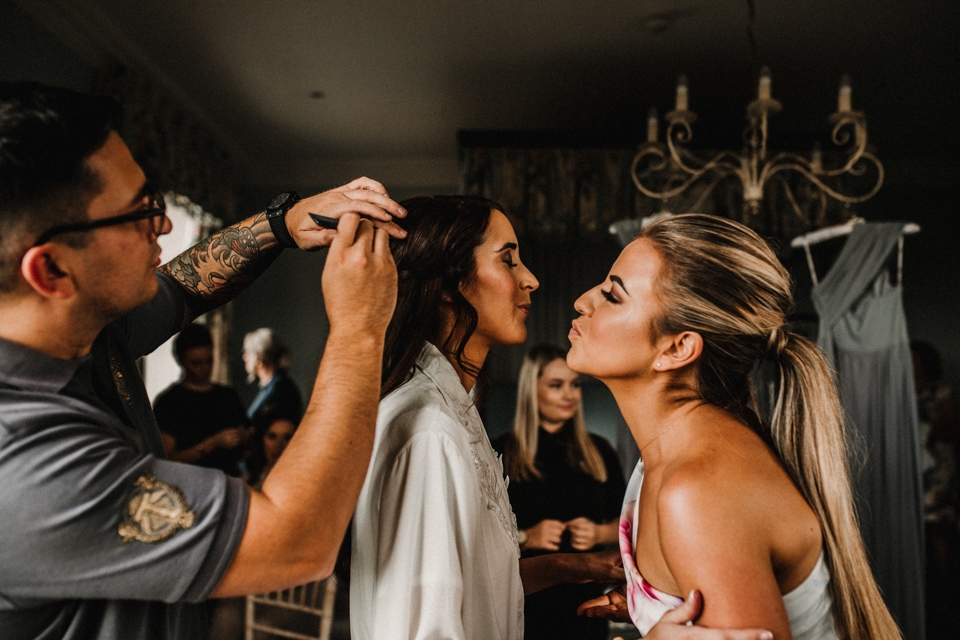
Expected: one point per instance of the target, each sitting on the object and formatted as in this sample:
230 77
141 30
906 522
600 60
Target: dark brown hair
434 262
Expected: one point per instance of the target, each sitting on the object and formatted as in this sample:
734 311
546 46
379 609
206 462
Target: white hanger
835 231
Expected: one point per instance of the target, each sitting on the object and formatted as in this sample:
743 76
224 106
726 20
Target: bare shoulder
728 478
730 497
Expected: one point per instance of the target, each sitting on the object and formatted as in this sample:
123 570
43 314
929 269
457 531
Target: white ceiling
399 79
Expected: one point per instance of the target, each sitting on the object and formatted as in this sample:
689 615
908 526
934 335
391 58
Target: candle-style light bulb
763 92
816 158
652 125
843 98
682 93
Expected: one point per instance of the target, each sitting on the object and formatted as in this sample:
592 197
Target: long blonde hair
520 451
723 281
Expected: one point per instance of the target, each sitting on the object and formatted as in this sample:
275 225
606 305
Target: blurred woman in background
566 487
266 360
277 431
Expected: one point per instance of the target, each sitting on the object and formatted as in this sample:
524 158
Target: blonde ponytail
808 433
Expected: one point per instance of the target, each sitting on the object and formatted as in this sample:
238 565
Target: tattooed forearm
216 270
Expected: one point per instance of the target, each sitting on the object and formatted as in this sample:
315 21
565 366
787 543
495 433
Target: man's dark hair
46 135
192 336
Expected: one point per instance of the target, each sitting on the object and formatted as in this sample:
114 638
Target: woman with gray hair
266 359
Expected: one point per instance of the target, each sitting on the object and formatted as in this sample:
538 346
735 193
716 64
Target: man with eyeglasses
100 536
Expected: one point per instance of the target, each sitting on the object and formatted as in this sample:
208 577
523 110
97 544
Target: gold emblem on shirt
154 511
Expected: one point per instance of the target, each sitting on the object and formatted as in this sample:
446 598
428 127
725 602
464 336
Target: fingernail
401 211
766 635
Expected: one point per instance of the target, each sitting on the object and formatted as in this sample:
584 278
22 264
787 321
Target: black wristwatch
276 216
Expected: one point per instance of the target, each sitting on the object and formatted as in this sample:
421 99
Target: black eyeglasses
156 212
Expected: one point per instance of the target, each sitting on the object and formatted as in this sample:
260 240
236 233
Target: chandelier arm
706 192
792 199
664 195
719 160
841 137
650 150
716 164
820 184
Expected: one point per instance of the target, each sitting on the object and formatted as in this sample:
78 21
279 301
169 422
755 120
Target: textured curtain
182 155
555 192
177 150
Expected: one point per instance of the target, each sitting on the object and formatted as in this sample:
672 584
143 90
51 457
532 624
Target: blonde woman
566 486
754 511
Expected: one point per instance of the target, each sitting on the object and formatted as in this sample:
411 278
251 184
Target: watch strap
277 217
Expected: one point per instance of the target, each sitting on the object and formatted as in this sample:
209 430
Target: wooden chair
299 613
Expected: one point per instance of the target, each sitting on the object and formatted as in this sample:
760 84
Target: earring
657 365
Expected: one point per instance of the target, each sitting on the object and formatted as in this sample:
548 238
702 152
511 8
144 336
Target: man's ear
682 350
45 272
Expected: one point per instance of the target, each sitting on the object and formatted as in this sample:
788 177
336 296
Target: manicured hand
673 625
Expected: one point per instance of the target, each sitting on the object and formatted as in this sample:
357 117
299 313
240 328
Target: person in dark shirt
566 488
201 422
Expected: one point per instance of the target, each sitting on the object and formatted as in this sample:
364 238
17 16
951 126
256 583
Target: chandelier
853 174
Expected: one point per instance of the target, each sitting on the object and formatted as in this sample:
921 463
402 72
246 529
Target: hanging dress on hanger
863 332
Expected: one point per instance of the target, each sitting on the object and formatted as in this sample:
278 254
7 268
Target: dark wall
30 52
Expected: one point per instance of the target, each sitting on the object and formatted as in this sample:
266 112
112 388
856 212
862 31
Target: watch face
278 202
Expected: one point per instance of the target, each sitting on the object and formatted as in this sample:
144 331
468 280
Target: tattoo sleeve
217 269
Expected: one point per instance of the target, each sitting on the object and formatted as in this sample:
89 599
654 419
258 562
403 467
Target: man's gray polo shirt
100 536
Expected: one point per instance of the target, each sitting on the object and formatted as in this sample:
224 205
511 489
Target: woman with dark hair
566 487
434 549
754 510
277 430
